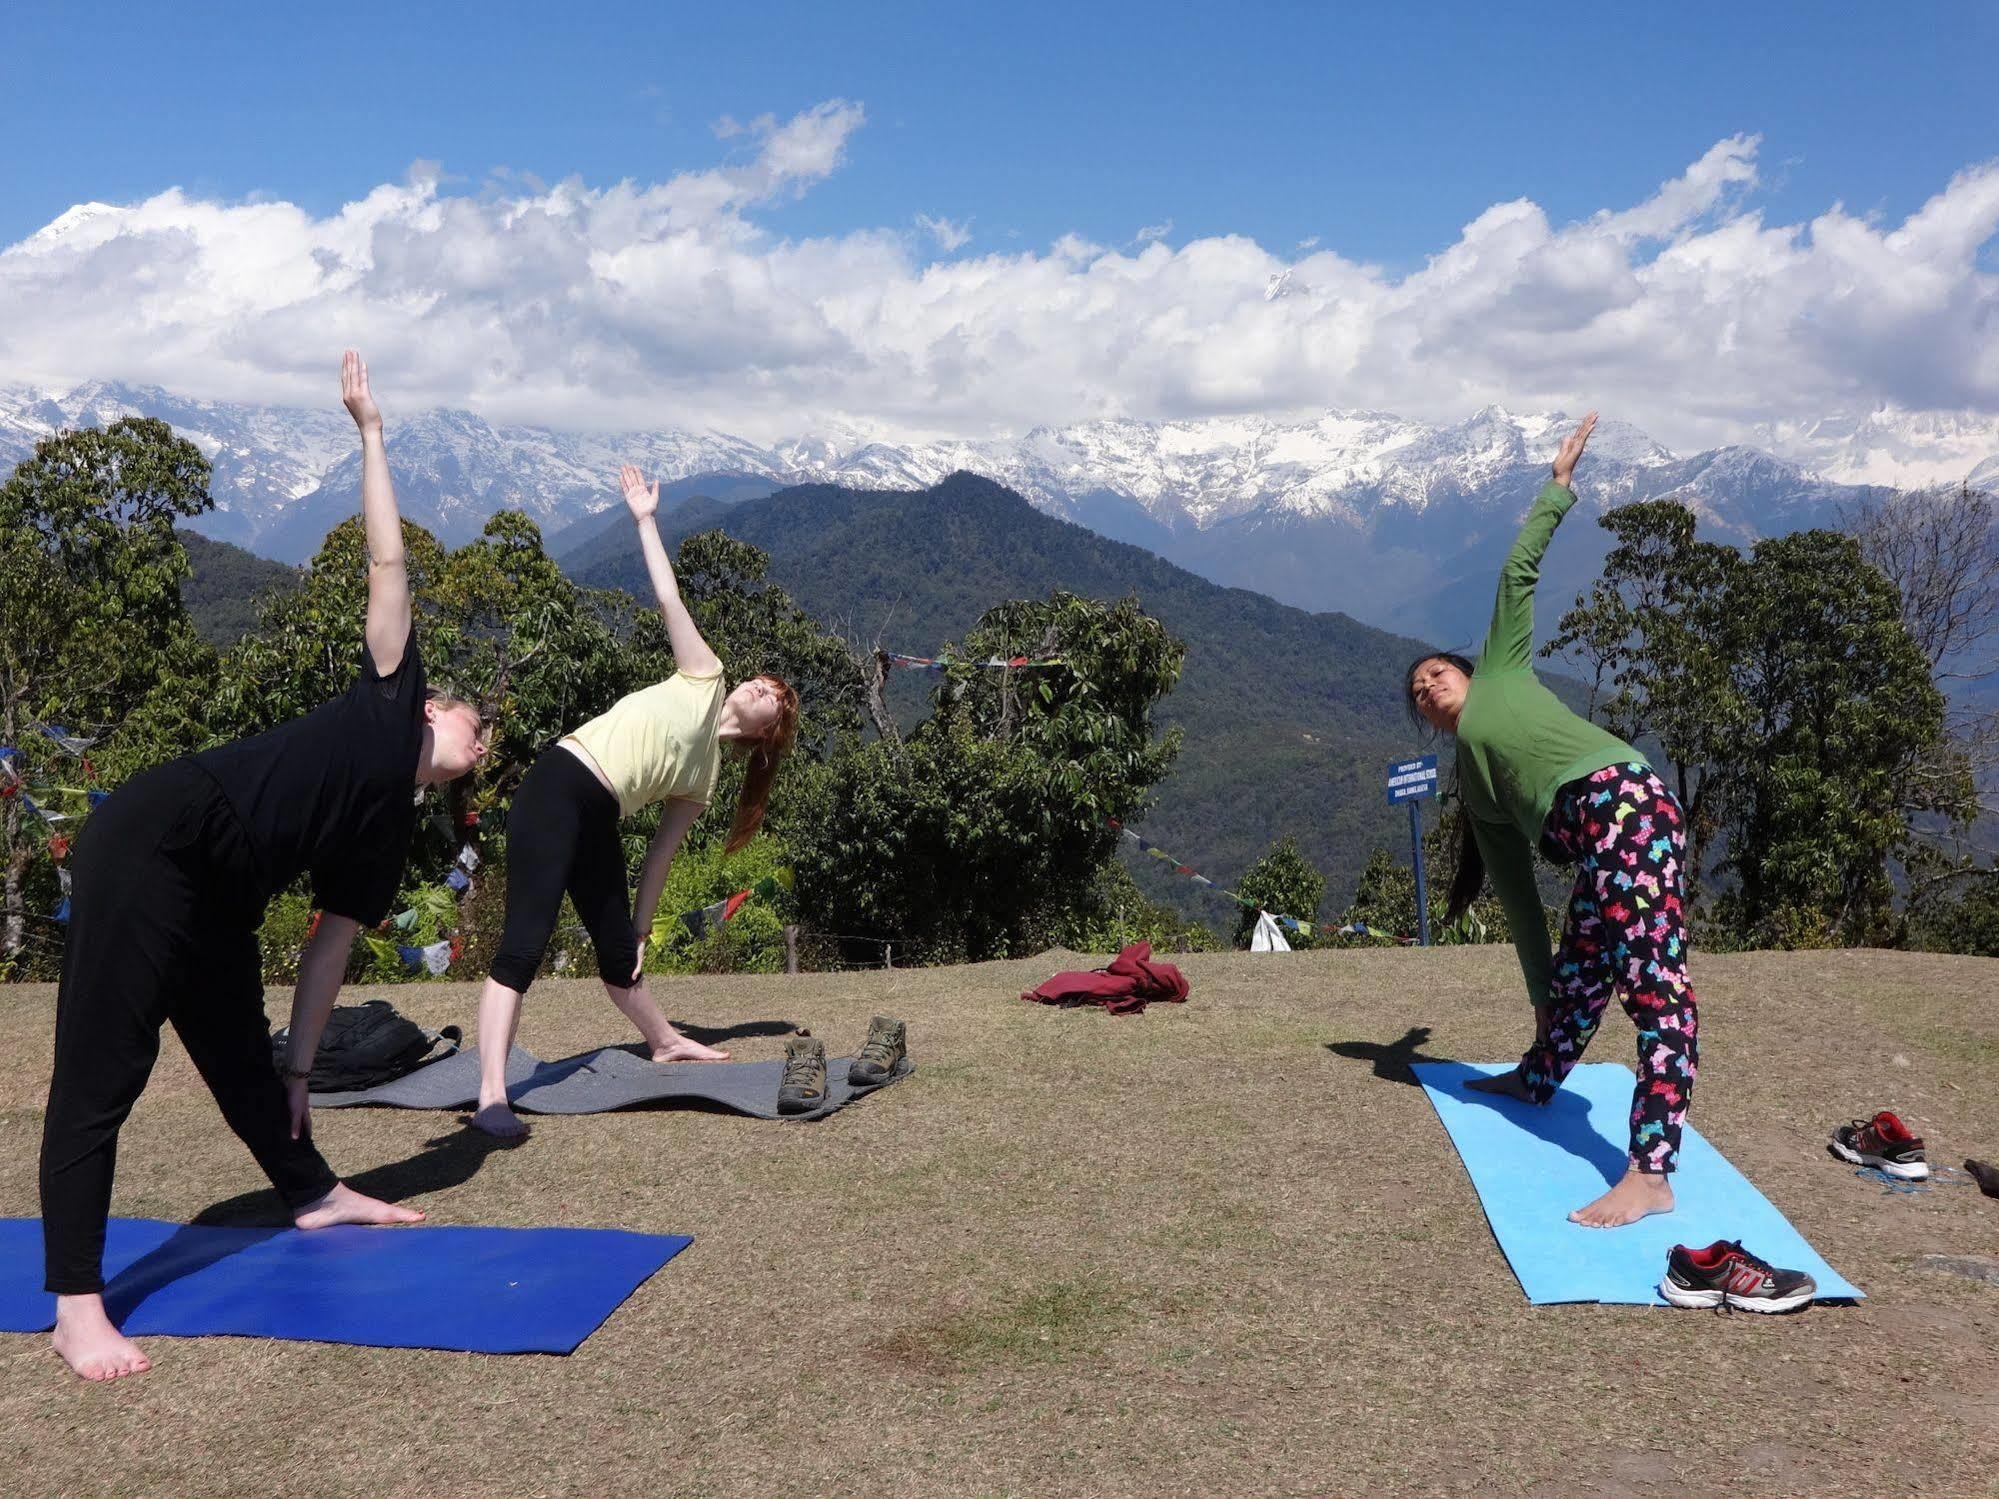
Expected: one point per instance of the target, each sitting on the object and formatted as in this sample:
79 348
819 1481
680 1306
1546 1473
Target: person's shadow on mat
1393 1061
1563 1120
179 1257
445 1162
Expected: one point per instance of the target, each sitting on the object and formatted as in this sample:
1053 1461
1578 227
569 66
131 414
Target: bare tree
1941 548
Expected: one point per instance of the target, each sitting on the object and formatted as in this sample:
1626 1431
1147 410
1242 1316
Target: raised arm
388 625
1509 643
690 652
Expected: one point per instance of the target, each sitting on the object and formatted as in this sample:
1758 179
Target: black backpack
367 1044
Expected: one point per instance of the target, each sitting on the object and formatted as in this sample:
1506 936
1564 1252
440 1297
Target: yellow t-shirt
660 741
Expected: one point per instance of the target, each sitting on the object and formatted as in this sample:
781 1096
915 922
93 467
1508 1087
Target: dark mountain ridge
1291 717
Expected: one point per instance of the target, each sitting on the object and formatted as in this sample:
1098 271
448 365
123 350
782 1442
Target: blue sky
1380 129
1727 223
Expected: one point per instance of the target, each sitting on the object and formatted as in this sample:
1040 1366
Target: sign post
1410 781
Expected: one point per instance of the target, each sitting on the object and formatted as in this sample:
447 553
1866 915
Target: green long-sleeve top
1518 744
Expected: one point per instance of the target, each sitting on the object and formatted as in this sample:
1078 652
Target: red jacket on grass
1131 982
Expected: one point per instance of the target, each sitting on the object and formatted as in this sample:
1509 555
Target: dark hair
1462 663
1468 879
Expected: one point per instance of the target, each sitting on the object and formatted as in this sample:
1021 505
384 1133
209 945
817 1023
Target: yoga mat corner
1531 1165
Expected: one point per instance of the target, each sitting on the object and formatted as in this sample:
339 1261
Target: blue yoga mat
1532 1165
474 1290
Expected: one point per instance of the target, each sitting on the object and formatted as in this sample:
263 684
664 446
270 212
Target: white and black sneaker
1726 1275
1886 1143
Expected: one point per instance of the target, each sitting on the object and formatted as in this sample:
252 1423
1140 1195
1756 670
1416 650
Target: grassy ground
1217 1248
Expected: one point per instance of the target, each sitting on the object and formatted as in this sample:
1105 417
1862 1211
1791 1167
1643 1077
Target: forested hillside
1290 717
224 584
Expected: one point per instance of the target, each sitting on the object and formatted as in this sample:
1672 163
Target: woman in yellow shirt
662 743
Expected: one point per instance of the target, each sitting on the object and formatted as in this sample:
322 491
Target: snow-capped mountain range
1382 517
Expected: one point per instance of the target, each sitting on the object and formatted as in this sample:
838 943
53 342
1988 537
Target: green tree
1657 629
90 610
974 836
1385 899
1793 711
1284 883
1821 789
1968 922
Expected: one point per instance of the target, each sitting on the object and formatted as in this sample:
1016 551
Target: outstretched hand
298 1102
355 395
1572 450
641 498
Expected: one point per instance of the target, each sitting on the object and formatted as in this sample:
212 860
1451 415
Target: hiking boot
1883 1141
1726 1275
803 1086
875 1063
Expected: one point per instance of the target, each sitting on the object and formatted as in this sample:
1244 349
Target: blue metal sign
1409 779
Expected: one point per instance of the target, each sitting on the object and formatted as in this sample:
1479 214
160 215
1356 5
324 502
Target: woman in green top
1533 774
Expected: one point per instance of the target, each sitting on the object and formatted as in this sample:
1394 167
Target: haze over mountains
1393 521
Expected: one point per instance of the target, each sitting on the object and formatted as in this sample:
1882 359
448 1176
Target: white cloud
1151 232
672 303
949 235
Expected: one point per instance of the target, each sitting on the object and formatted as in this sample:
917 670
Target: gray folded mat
594 1082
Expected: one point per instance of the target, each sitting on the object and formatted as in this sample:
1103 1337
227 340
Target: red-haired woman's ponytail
765 753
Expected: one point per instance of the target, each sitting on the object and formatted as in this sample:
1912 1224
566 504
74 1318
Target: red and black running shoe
1883 1141
1726 1274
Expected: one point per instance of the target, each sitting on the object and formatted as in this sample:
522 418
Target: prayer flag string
944 663
1290 923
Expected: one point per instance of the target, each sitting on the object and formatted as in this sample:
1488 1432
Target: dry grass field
1222 1247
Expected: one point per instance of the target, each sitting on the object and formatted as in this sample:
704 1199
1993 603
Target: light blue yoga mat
1532 1165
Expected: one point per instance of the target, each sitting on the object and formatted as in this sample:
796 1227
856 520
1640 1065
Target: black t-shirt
334 793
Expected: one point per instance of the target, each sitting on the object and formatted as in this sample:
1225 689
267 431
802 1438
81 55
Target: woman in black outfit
171 877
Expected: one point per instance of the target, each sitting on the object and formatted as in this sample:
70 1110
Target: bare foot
684 1050
345 1205
499 1121
90 1345
1639 1195
1509 1084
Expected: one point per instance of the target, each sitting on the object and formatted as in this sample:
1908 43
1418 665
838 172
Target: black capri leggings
563 834
163 927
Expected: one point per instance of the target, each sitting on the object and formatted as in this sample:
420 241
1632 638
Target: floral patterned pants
1625 931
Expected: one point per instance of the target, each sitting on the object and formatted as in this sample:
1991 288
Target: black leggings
563 834
163 927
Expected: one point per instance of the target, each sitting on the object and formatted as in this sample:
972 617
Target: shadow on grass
1393 1061
445 1162
715 1035
1563 1120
